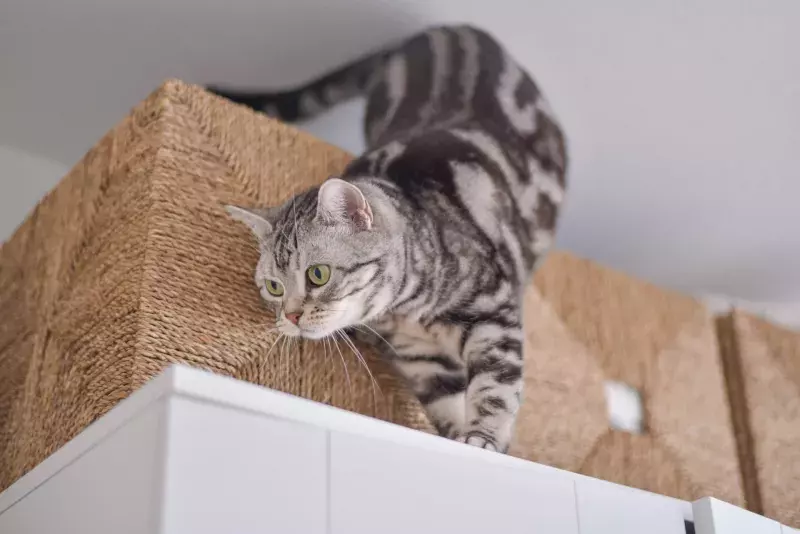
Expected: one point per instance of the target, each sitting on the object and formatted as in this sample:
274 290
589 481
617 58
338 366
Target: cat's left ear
255 219
341 202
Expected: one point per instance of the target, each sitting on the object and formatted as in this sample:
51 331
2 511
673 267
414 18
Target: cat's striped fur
435 230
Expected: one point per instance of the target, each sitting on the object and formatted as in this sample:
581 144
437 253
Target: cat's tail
314 97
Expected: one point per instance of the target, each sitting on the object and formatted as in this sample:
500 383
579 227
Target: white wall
24 179
683 116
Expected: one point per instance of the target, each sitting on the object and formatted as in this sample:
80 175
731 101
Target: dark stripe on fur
443 361
441 385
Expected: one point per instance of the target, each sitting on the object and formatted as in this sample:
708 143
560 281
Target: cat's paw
480 440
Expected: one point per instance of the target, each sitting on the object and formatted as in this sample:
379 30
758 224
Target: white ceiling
683 116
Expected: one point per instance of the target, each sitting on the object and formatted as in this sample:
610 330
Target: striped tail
304 102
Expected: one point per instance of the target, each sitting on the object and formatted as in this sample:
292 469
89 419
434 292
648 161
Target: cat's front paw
479 439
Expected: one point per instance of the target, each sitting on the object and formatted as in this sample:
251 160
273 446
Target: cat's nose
294 317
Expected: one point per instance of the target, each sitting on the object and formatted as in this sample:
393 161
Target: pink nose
294 317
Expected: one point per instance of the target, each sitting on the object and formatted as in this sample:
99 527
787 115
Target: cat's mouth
317 324
314 334
305 332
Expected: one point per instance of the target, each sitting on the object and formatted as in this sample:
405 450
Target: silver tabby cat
431 235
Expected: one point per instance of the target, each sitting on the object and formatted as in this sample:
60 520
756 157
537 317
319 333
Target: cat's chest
405 333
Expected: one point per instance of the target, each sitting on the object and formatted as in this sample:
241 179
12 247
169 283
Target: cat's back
450 76
460 130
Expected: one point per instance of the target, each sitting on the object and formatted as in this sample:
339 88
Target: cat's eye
319 274
274 288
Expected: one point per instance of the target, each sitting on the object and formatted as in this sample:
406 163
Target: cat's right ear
341 202
255 219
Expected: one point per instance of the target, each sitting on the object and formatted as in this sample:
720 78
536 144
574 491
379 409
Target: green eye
319 274
274 288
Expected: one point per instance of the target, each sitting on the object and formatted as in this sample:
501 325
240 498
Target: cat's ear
255 219
341 202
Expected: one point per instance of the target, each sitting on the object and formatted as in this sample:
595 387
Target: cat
430 237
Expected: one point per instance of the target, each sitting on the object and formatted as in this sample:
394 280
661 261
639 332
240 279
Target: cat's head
320 258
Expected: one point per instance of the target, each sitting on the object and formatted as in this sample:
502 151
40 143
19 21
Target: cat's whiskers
266 357
291 350
344 363
282 351
377 334
361 359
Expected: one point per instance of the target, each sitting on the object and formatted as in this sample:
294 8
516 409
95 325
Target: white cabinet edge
713 516
87 439
234 393
224 391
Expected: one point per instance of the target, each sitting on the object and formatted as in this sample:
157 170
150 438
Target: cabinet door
237 472
379 486
605 508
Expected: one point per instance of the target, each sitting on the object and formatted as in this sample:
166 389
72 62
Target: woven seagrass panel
764 377
587 324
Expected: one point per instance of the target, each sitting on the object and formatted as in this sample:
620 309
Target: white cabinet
232 471
605 508
195 453
712 516
379 486
109 486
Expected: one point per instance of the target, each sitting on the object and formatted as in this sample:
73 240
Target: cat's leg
437 379
493 354
440 385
